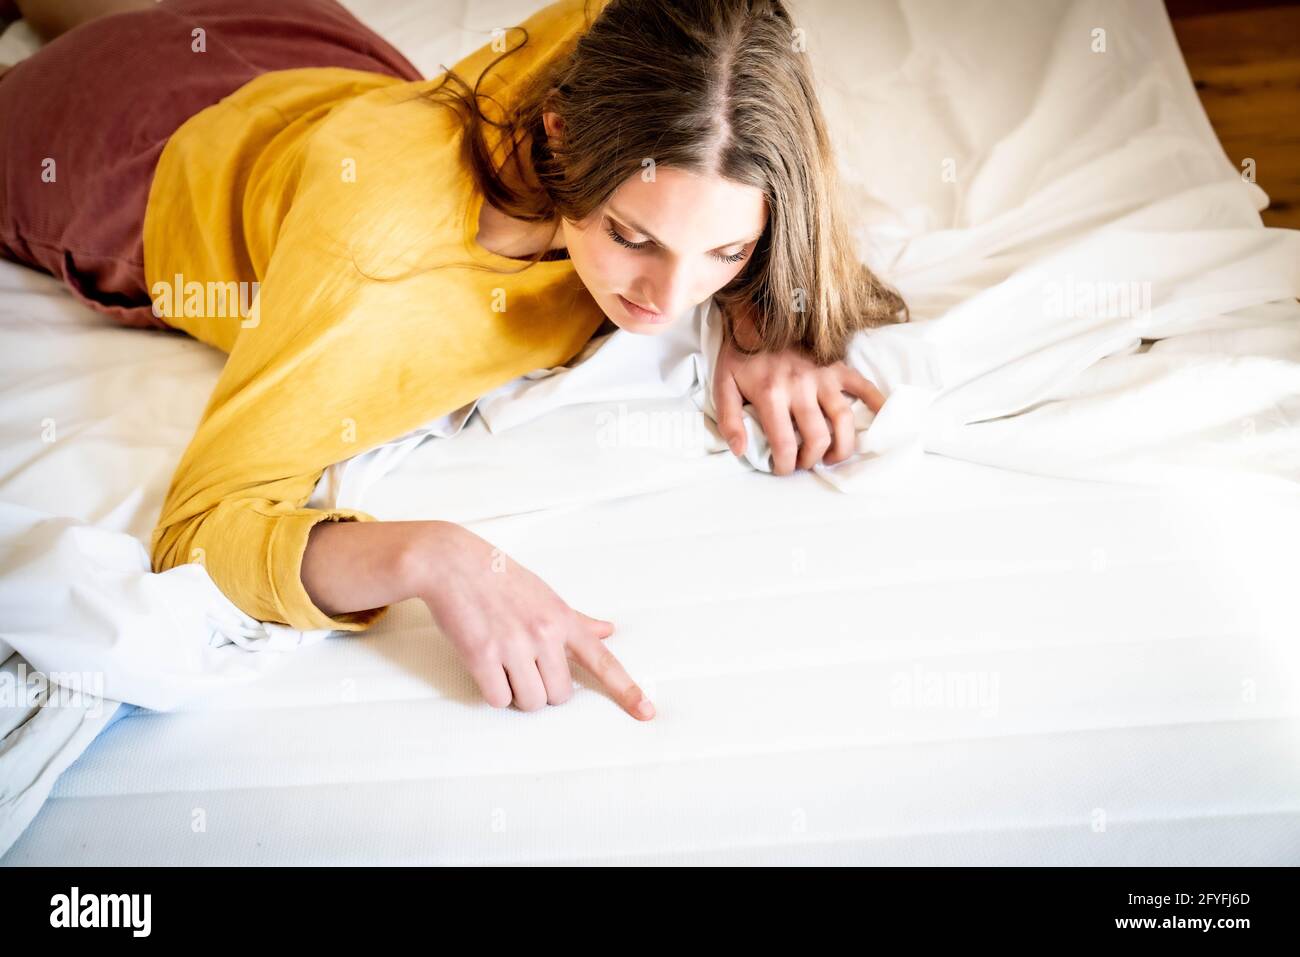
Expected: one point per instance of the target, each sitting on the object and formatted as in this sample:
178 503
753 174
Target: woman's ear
554 128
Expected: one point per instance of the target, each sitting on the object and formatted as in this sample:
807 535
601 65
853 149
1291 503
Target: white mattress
1138 702
1129 649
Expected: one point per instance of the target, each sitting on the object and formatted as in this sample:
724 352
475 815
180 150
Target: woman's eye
614 235
627 243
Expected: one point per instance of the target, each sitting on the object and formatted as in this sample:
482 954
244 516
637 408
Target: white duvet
1095 297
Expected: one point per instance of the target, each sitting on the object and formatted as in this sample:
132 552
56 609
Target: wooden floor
1246 66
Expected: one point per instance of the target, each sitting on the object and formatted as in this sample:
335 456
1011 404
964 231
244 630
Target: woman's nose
669 289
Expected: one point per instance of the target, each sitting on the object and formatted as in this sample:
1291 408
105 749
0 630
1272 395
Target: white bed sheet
1140 640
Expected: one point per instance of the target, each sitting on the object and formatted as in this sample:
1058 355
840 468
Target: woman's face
665 245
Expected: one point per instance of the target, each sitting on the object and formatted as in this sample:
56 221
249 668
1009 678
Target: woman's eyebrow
645 232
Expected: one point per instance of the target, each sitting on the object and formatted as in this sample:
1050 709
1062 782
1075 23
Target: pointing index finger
594 655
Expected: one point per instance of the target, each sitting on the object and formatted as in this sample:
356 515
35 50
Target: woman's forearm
515 635
356 566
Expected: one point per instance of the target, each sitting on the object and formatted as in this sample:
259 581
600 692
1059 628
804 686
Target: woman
373 250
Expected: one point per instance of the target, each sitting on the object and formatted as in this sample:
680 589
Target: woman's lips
642 315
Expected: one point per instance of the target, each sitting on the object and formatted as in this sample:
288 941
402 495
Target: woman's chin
641 328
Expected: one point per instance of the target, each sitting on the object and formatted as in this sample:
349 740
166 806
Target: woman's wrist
427 557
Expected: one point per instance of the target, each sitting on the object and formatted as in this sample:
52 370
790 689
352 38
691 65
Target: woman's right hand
513 632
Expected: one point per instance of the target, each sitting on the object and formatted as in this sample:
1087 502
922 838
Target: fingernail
735 446
645 709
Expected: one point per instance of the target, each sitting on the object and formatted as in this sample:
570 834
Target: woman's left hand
789 390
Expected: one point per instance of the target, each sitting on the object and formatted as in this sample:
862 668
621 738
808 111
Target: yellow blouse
329 194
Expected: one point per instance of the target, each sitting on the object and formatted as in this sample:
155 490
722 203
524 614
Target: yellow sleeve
253 547
302 389
323 368
336 362
356 339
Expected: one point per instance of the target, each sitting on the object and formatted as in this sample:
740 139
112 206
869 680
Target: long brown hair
712 87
